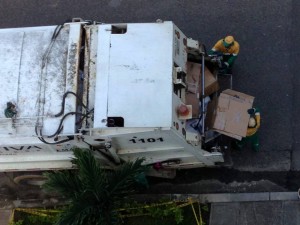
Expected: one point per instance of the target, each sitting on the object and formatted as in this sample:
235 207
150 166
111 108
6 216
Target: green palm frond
65 183
124 179
94 192
84 212
74 215
92 176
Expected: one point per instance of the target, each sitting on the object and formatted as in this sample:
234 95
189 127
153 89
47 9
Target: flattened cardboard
231 116
194 85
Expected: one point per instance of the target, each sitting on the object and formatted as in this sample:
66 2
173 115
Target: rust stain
184 41
177 34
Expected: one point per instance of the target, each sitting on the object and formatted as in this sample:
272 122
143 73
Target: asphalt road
267 66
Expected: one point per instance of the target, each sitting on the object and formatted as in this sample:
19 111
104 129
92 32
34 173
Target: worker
252 134
229 48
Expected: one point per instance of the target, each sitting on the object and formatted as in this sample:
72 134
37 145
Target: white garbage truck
116 89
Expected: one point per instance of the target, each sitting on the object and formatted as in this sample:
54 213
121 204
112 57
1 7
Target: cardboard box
230 116
193 81
193 99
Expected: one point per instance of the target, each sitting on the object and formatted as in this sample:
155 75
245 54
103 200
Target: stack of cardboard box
226 114
194 86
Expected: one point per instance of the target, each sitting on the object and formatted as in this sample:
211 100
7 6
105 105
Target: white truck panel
127 71
136 71
101 89
161 146
32 156
37 90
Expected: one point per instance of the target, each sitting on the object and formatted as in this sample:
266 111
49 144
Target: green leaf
65 183
94 193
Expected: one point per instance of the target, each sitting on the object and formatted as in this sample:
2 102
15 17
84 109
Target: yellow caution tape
180 205
47 212
38 212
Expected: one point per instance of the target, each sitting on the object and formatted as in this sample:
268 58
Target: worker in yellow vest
229 48
252 134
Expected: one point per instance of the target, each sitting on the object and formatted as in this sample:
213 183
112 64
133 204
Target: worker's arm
217 48
231 60
234 51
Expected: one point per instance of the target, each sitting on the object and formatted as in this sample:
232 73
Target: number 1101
143 140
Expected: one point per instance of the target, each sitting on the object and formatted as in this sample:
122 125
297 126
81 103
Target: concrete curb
205 198
224 197
31 203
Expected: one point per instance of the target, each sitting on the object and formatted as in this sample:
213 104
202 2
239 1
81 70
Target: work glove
251 111
211 52
214 53
224 65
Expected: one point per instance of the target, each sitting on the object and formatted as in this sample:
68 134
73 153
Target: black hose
59 129
56 133
46 142
85 115
56 32
53 38
63 102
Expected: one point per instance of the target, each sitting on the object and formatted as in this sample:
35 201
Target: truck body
115 89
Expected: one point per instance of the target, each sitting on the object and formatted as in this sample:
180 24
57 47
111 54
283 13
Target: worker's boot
255 147
237 145
255 142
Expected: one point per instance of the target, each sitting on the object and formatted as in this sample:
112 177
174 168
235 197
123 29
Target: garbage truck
118 90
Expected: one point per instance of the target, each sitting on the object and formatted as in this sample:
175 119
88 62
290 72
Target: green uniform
252 134
229 53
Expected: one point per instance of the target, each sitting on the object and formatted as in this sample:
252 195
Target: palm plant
93 192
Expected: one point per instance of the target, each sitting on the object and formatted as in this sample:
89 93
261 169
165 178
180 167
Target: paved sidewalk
268 208
254 213
4 216
265 208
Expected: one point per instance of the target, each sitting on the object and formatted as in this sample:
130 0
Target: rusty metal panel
91 42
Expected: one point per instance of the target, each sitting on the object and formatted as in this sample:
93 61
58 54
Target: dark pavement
252 213
267 66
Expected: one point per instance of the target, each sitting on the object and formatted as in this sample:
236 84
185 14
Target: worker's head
252 122
228 41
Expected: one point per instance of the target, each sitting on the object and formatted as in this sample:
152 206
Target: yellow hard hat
229 40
